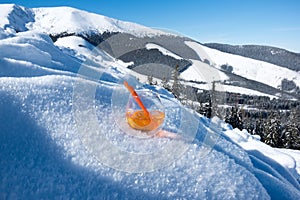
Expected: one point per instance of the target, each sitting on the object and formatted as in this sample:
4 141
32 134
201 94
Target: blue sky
265 22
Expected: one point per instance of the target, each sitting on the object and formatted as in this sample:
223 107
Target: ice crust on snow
43 154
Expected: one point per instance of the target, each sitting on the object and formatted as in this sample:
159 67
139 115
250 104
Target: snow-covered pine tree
259 129
235 118
291 131
176 84
273 131
209 109
291 138
165 84
150 80
213 101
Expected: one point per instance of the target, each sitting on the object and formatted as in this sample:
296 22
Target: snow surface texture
57 102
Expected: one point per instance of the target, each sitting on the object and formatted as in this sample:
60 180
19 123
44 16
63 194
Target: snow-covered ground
61 137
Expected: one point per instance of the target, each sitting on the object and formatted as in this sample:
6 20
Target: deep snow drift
61 137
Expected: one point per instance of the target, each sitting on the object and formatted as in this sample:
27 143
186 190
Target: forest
275 120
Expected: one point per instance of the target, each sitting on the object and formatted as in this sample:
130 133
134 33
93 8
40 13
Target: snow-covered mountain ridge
96 28
61 104
66 19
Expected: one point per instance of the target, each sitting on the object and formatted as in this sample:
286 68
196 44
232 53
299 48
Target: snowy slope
231 88
6 10
202 72
60 111
260 71
65 19
32 54
14 17
162 50
49 20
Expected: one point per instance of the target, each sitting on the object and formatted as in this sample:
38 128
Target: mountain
130 42
63 133
276 56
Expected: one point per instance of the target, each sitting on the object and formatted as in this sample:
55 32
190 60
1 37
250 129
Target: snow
285 161
206 74
203 72
5 10
75 43
295 155
60 105
49 20
52 152
35 50
14 18
235 89
163 50
249 68
240 90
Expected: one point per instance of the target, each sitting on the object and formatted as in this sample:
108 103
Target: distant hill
269 54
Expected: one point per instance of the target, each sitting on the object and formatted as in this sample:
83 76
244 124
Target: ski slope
163 50
60 102
259 71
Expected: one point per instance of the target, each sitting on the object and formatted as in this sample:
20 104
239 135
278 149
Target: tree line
276 121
